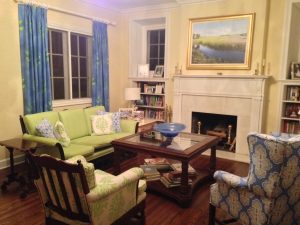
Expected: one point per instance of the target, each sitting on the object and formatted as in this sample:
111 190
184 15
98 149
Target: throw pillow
61 134
45 129
102 124
116 119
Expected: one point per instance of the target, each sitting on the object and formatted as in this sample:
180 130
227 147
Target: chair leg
212 214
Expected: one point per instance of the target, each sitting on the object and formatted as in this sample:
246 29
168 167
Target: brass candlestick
229 134
199 127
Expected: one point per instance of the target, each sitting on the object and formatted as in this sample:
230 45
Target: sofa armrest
129 126
230 179
42 140
117 184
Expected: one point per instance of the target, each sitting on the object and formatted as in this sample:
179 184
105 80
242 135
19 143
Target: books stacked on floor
150 172
172 179
161 164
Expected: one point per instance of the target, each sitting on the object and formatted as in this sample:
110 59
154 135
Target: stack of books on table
177 168
161 164
172 179
150 172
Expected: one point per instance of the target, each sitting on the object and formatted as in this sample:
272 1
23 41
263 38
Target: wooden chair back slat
52 185
75 193
63 190
41 174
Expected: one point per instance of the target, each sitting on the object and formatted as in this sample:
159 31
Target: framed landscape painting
220 42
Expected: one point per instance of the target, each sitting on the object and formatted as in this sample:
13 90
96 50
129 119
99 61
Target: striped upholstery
270 195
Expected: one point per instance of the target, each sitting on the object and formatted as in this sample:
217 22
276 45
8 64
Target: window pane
75 88
82 46
59 88
74 45
153 63
83 67
161 62
154 37
58 65
57 45
74 66
162 37
83 88
161 51
154 51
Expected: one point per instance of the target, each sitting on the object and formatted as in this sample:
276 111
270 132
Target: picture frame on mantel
223 42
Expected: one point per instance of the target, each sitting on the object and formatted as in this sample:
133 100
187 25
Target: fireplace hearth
223 126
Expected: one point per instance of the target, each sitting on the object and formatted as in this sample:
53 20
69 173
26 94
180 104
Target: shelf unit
153 97
290 88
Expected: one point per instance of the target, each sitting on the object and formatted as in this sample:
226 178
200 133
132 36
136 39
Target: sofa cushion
45 129
99 141
74 149
74 122
102 124
116 119
88 112
61 134
32 120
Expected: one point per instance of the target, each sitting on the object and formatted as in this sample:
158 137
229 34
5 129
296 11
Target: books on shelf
150 172
158 163
177 167
170 181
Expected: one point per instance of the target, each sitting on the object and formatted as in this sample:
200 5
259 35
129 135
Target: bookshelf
153 97
290 82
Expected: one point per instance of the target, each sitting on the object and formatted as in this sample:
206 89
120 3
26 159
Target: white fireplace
241 96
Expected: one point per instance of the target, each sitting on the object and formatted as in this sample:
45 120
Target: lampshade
132 94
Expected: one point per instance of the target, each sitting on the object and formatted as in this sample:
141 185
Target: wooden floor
159 210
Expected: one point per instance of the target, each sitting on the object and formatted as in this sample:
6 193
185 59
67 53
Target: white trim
5 163
61 103
65 11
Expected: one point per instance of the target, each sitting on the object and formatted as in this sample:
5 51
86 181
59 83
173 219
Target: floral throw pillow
102 124
45 129
116 119
61 134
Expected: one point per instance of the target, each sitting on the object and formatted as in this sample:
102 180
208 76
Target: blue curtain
34 59
100 77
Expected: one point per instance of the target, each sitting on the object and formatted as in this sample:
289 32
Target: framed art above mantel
223 42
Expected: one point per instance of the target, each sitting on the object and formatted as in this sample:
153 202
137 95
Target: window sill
62 103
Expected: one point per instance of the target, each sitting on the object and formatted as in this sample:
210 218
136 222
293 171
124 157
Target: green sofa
78 127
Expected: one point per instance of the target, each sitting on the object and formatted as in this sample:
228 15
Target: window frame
71 101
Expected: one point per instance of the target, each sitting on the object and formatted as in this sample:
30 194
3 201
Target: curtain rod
65 11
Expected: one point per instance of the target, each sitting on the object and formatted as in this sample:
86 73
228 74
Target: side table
24 146
147 124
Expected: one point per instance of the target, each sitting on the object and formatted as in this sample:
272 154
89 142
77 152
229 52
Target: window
70 64
156 48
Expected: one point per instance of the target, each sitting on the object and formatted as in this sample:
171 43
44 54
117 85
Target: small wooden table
184 148
20 145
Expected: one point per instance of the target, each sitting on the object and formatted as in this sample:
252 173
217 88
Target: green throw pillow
61 134
102 124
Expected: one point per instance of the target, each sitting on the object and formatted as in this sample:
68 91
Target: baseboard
5 163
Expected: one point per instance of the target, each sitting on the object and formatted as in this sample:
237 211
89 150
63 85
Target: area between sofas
77 124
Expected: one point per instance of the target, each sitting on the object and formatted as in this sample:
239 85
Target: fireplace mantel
238 95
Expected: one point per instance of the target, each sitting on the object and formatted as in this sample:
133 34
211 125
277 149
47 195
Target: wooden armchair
73 193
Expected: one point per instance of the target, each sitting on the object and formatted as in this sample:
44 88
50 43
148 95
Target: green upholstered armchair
73 193
270 195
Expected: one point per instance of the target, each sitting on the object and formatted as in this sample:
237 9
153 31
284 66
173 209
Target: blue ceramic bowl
169 130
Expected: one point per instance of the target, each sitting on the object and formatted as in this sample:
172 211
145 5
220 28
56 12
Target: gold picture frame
220 42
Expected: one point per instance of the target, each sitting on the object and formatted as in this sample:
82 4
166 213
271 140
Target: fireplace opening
223 126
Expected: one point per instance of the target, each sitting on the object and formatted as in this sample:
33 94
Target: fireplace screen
223 126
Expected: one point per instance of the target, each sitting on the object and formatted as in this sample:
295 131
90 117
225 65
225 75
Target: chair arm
42 140
118 183
128 126
230 179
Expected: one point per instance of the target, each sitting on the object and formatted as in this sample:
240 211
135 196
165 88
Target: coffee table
184 148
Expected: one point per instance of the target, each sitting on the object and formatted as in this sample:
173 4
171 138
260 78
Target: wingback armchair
270 195
73 193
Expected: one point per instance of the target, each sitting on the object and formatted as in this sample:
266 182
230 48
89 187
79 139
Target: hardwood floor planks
159 210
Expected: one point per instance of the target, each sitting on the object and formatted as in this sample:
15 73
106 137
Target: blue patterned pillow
45 129
116 120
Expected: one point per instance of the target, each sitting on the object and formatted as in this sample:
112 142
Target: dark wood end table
184 148
24 146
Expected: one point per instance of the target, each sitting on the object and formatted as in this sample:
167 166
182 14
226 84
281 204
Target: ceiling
130 4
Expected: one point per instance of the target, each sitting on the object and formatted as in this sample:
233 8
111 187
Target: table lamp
132 94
